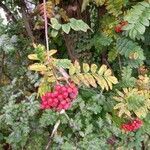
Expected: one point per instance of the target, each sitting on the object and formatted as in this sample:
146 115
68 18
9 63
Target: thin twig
54 131
52 134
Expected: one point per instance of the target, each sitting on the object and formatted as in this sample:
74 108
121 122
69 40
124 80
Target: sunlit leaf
108 72
86 67
75 79
52 52
37 67
55 24
77 66
90 79
113 79
66 28
94 68
102 69
83 79
33 57
72 69
119 105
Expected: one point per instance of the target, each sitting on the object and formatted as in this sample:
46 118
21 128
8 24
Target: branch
69 42
26 21
52 134
9 13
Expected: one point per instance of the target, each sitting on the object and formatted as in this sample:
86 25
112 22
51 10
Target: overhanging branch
26 20
9 13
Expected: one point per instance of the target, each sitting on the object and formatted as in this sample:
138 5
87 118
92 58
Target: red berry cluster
61 98
133 125
118 28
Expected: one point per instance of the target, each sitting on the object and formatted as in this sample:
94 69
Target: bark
69 42
25 18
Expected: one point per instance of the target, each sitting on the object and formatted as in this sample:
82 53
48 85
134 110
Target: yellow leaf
101 81
90 79
113 79
72 69
127 112
119 106
108 72
109 83
121 112
51 79
125 90
119 99
93 68
52 52
75 79
33 57
83 80
86 67
102 69
50 73
120 94
37 67
77 66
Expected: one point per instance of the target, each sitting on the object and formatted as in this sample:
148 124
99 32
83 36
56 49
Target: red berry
60 97
44 98
59 107
55 102
47 107
50 100
118 28
57 87
65 94
63 89
48 94
72 95
45 103
67 106
69 90
68 100
52 95
55 94
63 102
133 125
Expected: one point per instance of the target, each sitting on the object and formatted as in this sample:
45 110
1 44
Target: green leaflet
129 49
138 18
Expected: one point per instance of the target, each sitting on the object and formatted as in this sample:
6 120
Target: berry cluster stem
65 75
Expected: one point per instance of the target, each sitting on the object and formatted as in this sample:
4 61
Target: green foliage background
93 124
